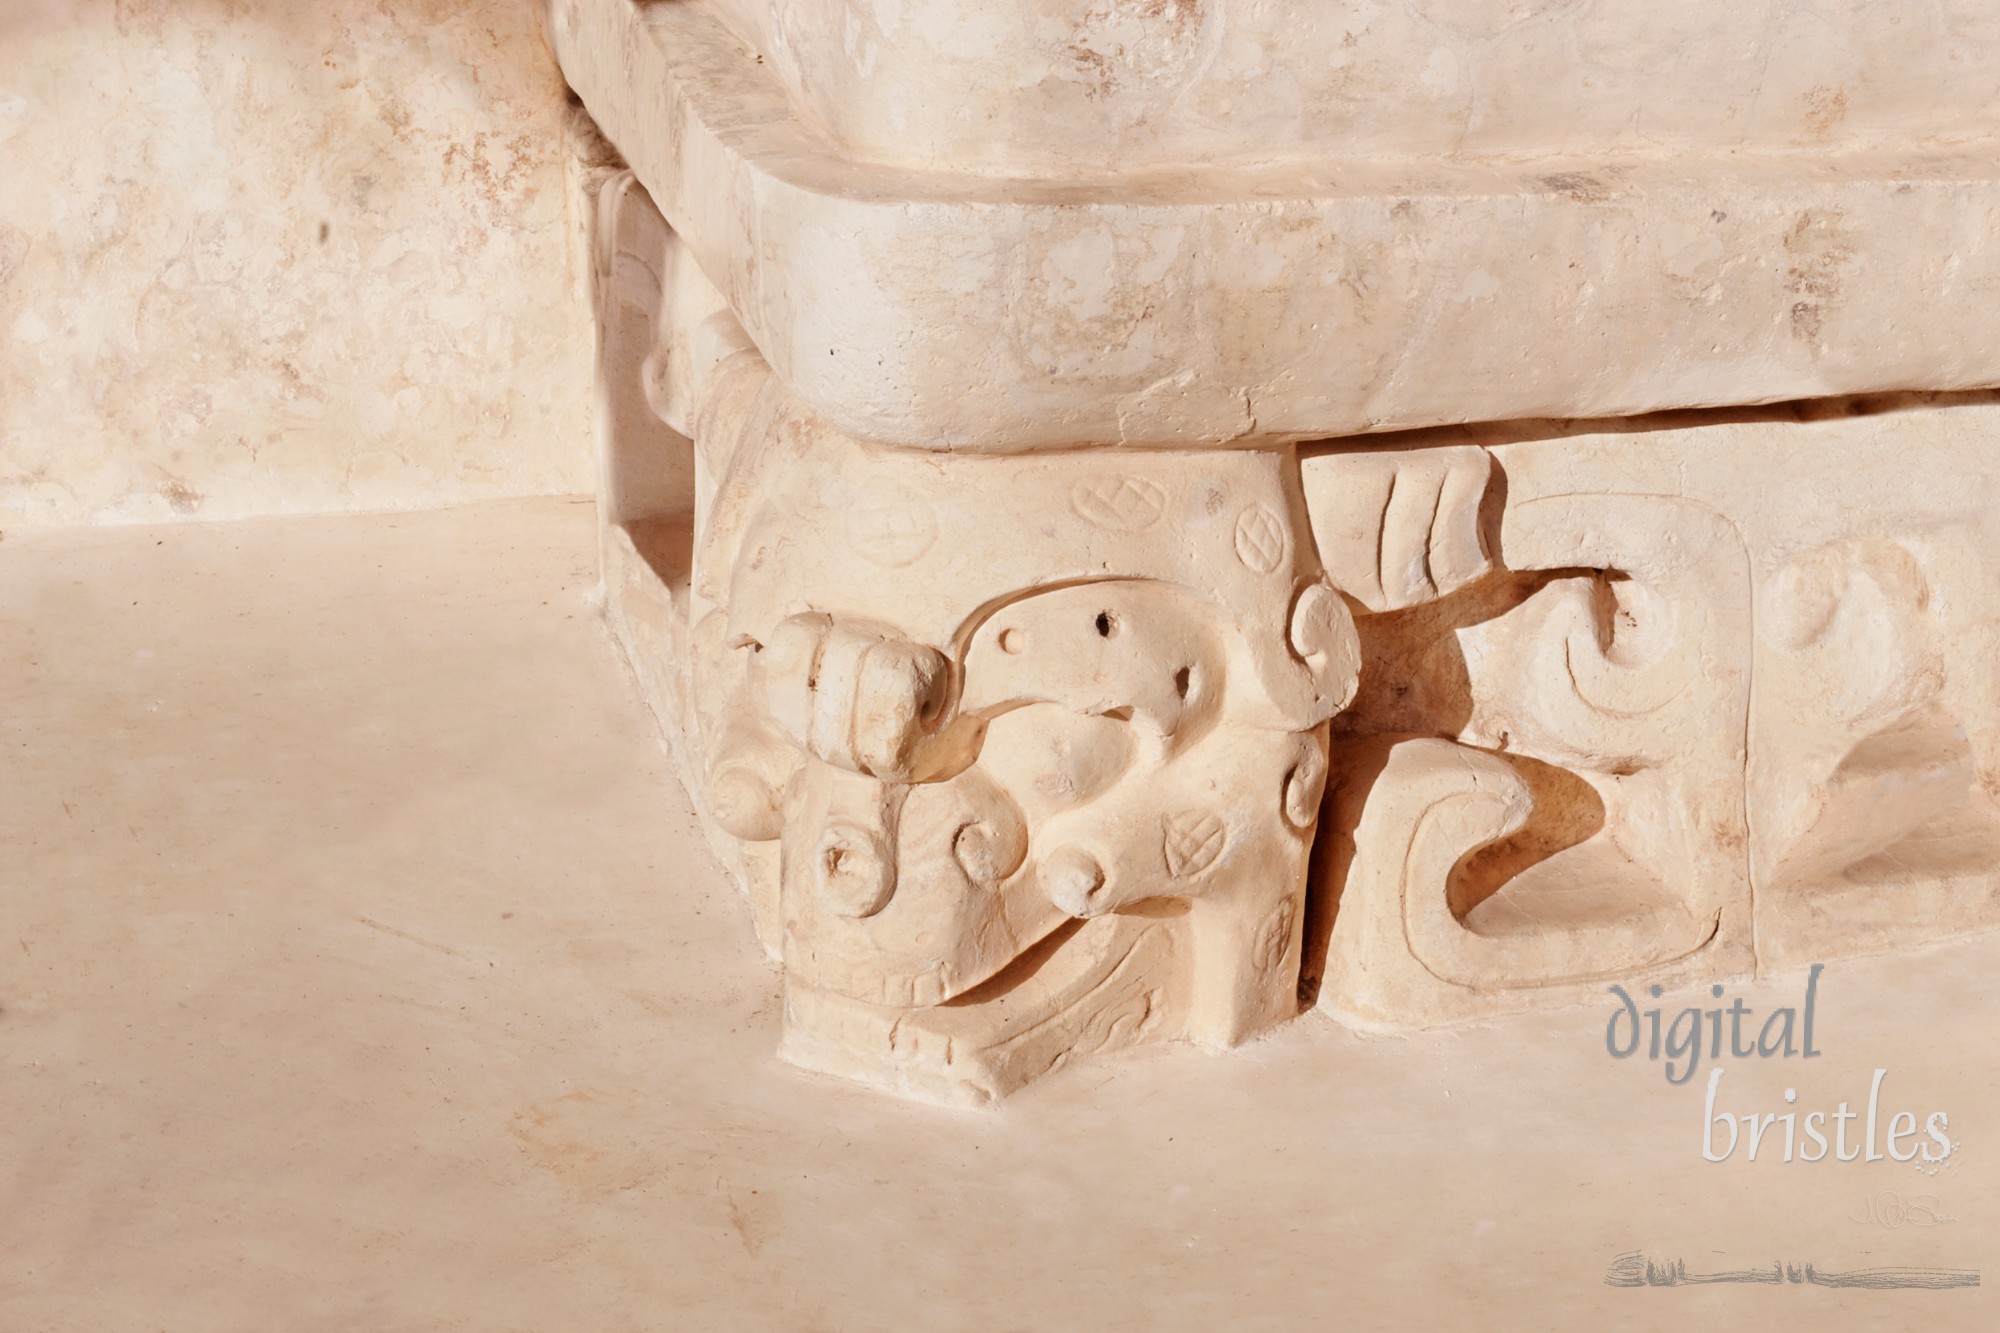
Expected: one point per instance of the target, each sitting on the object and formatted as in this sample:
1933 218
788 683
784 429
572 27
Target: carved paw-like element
852 693
1396 528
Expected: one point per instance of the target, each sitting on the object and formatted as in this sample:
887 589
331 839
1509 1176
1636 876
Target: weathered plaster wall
284 255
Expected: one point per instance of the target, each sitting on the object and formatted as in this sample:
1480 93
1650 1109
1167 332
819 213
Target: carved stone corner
1026 753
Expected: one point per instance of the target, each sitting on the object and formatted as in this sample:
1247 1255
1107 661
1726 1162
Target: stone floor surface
362 968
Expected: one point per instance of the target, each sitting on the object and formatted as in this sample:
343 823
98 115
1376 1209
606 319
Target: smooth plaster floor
361 968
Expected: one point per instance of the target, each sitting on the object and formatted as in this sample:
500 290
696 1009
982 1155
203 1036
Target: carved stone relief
1687 728
1028 797
1022 758
1547 790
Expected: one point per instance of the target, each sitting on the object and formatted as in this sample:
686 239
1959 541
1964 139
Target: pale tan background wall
284 255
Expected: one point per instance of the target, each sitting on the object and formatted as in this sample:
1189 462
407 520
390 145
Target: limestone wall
284 255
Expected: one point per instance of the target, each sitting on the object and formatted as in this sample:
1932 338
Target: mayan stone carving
1093 603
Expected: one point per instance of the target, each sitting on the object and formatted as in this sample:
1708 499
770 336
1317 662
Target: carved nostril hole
1105 624
1012 641
1182 680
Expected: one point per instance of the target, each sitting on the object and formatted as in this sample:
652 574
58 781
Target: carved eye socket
1013 640
1105 625
1182 680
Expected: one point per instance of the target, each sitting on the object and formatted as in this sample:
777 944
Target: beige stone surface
1233 298
363 969
1726 702
1062 88
1019 759
284 256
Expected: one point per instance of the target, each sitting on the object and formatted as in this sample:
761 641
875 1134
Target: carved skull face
1109 751
1024 692
1110 748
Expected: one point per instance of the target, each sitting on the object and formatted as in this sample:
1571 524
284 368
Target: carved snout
1127 649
